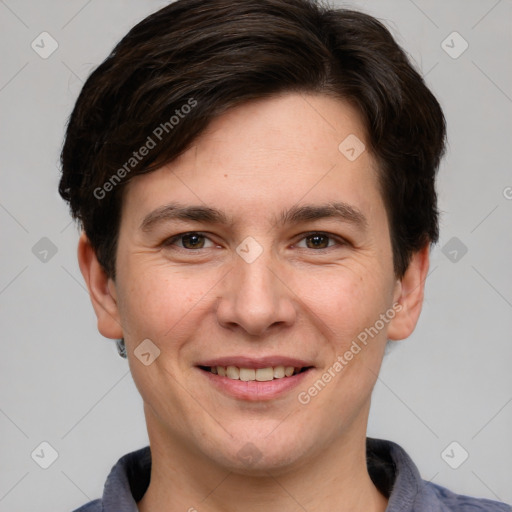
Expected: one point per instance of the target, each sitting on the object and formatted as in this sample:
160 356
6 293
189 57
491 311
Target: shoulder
446 500
396 475
92 506
126 483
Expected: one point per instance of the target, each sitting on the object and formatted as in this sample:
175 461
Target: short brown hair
216 54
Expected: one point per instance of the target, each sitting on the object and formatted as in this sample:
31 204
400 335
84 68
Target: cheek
158 301
346 300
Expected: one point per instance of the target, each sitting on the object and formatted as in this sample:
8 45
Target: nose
255 297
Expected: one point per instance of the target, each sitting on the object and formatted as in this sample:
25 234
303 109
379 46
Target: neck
334 479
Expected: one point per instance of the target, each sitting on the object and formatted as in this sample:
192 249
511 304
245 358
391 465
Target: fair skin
306 298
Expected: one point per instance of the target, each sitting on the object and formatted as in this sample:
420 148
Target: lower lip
255 390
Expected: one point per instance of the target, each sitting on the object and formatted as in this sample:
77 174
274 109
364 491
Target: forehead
266 156
292 129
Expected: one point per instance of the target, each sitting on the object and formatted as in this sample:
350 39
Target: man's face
272 282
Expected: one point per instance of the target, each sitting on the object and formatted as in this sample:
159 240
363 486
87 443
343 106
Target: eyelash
338 241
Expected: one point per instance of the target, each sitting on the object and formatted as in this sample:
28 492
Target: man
255 182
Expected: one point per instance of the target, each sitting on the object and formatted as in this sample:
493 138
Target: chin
257 456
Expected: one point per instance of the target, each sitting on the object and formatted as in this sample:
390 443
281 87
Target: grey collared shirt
391 469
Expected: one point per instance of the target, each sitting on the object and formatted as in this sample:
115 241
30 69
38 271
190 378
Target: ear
409 294
102 290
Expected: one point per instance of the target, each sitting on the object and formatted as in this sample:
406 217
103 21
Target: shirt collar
390 468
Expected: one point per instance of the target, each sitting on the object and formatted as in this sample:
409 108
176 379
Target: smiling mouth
255 374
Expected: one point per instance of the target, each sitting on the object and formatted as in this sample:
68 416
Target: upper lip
260 362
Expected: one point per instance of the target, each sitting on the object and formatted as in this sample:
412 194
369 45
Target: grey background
62 383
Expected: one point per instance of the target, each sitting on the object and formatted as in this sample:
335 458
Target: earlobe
409 294
102 290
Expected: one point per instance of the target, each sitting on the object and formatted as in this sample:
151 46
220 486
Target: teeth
288 371
233 372
279 372
264 374
247 374
250 374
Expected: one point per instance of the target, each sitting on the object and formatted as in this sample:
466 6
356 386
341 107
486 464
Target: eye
192 240
318 240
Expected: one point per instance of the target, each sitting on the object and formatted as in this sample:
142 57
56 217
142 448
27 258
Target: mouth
255 380
255 374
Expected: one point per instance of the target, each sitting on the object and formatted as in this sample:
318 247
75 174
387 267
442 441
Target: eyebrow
176 211
295 215
337 210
